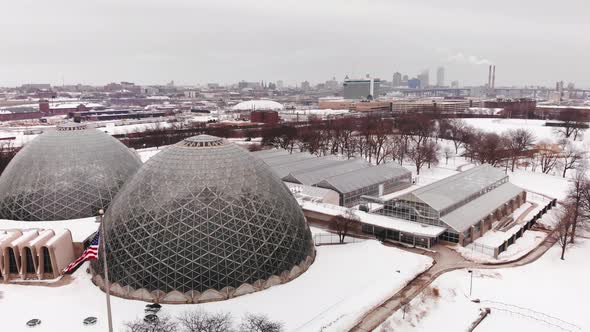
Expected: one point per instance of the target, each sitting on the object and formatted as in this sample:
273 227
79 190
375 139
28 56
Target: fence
329 238
532 314
495 251
477 247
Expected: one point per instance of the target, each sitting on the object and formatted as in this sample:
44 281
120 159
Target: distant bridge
458 92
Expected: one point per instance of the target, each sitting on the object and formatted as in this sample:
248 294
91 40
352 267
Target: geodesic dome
67 173
202 215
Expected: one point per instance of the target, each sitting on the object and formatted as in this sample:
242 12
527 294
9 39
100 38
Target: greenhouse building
465 204
203 220
67 173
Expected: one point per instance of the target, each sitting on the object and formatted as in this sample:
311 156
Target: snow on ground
318 231
522 246
501 125
529 241
548 185
340 286
81 228
125 127
527 298
147 153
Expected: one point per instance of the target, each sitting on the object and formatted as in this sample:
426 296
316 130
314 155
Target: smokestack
490 77
372 88
494 77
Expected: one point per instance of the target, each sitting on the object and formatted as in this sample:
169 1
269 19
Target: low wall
496 251
210 295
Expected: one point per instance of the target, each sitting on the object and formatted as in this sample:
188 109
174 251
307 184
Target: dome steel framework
203 215
67 173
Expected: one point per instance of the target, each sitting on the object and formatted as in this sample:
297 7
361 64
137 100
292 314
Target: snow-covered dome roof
258 105
203 214
68 173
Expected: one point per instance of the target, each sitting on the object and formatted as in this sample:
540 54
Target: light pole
103 235
471 281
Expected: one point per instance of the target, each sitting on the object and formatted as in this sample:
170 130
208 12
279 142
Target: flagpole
103 235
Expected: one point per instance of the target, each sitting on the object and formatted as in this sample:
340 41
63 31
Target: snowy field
547 295
340 286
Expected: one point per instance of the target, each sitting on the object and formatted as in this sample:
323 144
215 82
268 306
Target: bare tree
259 323
342 223
418 153
457 131
432 150
576 195
519 141
573 123
548 157
161 324
448 153
571 157
564 227
487 148
201 321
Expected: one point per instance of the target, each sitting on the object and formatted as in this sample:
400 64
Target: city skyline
226 41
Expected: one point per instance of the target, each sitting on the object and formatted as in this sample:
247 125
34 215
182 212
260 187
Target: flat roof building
361 89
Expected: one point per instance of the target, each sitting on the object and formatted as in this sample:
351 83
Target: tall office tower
397 79
424 78
440 76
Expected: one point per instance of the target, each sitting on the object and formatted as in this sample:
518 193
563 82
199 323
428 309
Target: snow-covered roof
302 191
470 213
360 178
81 228
258 105
378 220
73 105
316 175
454 189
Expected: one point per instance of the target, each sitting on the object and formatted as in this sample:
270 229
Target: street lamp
471 281
103 235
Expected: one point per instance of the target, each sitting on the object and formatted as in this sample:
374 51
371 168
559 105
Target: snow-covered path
446 260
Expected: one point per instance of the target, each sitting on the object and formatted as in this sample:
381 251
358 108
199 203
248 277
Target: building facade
466 204
361 89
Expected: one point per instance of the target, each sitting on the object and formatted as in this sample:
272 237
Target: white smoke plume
467 59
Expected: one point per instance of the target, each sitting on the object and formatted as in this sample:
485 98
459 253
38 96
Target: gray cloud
149 41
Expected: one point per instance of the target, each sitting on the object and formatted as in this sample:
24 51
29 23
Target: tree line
415 138
201 321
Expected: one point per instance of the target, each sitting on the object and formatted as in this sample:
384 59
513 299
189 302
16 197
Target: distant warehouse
351 179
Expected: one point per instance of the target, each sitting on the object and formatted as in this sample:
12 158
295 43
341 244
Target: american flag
90 253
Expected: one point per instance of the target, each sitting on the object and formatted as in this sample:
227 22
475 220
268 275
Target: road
446 260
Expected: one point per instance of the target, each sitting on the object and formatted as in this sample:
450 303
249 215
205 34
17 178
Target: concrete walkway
446 260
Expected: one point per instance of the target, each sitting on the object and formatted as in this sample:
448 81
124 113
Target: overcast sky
197 41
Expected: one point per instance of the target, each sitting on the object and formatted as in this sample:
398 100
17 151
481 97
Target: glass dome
203 214
67 173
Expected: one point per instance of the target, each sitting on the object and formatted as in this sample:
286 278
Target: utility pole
471 282
103 235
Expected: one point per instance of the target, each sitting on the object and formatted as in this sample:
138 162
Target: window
47 261
12 267
30 262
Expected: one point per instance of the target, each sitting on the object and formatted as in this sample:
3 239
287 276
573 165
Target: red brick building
270 117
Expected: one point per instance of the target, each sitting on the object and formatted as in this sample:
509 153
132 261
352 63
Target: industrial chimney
490 77
494 77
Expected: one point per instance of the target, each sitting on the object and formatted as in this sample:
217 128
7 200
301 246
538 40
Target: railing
532 314
482 248
329 238
495 251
